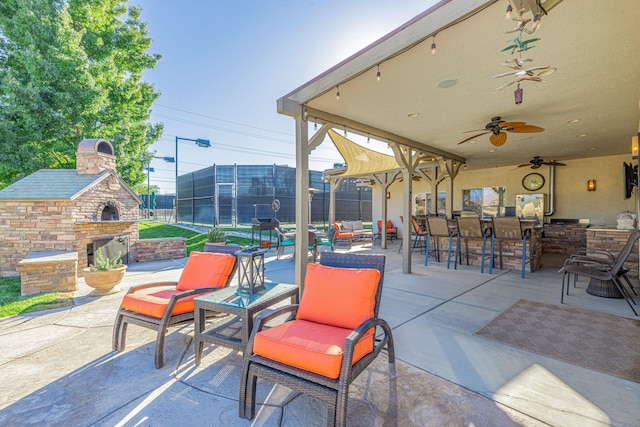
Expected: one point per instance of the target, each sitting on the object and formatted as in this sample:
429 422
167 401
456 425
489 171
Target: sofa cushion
310 346
206 270
153 301
342 297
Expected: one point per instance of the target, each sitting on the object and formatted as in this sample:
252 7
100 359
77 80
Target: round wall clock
533 181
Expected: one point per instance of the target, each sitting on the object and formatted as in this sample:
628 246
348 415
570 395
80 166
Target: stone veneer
49 271
562 238
162 248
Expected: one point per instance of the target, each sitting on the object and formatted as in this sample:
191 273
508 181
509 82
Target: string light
509 12
345 131
433 45
315 125
368 139
378 73
337 93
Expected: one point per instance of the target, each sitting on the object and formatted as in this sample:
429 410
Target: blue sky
225 63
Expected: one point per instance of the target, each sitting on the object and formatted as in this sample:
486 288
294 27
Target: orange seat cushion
153 301
206 270
342 297
310 346
344 235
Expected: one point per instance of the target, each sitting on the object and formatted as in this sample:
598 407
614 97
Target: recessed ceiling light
473 141
413 115
573 121
445 84
492 150
582 135
592 148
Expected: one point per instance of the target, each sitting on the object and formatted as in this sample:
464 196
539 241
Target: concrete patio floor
57 367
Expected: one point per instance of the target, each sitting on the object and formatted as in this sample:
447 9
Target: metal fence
234 194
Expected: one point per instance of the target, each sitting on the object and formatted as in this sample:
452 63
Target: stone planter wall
162 248
49 271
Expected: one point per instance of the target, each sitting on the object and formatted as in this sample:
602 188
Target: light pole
200 143
149 170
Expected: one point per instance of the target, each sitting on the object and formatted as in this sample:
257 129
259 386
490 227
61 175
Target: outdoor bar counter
612 239
511 249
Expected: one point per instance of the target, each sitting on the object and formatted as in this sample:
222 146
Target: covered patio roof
426 103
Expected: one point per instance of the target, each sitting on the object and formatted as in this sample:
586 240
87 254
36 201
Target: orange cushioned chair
160 305
392 232
330 342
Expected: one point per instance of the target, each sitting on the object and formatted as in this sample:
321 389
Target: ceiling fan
497 127
537 161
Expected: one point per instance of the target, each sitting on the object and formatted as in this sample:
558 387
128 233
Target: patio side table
234 332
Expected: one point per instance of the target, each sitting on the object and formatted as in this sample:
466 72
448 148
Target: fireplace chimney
95 156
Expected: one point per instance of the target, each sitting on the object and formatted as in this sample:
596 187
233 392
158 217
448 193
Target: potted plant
105 273
216 237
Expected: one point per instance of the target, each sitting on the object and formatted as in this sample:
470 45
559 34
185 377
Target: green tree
71 70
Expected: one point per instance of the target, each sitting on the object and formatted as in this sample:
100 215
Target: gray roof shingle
50 184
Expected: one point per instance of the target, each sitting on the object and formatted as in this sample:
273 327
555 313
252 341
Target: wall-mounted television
629 178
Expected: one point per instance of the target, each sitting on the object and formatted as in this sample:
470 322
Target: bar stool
419 236
439 227
508 228
471 228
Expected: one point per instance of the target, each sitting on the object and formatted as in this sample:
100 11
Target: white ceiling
594 44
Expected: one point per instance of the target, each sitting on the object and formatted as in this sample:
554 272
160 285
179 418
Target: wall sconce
388 194
634 147
591 185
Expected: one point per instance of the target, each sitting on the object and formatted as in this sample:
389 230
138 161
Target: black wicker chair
333 391
161 324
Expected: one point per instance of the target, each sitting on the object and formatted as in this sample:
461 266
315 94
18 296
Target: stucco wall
572 200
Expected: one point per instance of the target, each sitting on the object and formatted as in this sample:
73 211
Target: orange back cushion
337 226
342 297
206 270
389 223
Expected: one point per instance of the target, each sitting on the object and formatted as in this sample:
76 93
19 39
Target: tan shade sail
361 161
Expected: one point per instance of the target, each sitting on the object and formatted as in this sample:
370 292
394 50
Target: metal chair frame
439 227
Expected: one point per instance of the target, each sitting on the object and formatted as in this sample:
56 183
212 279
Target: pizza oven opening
108 212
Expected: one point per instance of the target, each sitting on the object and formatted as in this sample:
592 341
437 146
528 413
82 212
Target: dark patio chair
283 242
302 354
508 228
439 227
596 269
160 305
471 228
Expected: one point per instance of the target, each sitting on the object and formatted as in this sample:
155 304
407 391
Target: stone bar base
49 271
564 238
161 248
511 252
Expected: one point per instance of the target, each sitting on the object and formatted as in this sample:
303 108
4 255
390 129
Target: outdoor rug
596 341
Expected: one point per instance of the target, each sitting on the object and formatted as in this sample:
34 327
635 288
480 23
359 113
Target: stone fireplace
69 210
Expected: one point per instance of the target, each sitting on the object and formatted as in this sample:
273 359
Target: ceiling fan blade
509 125
476 130
499 139
524 165
474 136
526 129
554 164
